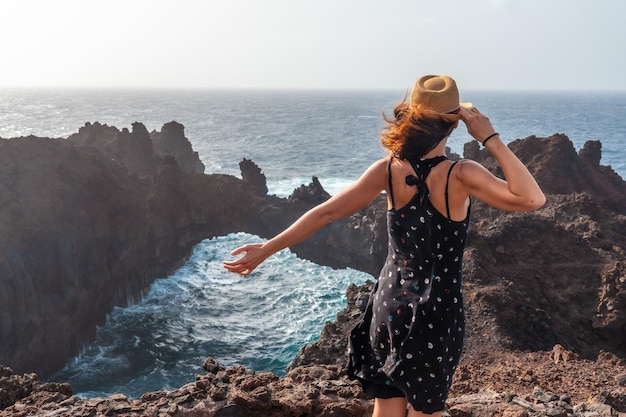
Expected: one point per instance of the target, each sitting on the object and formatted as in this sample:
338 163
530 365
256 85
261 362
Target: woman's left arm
518 192
344 203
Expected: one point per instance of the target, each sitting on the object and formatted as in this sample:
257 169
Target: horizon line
293 89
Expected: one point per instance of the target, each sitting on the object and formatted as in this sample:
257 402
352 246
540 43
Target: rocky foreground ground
511 384
490 381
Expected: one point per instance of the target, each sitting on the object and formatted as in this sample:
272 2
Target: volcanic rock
89 222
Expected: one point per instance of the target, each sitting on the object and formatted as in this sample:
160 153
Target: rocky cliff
89 221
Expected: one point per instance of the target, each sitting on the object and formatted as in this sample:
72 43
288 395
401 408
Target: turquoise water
259 321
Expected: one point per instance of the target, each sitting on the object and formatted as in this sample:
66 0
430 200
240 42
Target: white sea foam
286 187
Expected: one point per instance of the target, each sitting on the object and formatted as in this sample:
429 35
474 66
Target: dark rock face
139 151
69 221
88 223
560 170
252 177
171 140
558 272
131 150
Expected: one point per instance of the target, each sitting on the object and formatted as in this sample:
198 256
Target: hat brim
456 116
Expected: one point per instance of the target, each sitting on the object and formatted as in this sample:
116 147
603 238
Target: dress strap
393 204
446 193
422 168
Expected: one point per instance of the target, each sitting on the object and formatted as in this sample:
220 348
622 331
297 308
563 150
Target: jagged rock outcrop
138 151
525 272
559 169
252 177
358 241
171 141
67 232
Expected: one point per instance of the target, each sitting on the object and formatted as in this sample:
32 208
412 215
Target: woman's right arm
344 203
518 192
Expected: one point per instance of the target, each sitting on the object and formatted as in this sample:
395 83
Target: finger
238 266
468 111
229 264
465 114
233 264
239 250
230 268
237 270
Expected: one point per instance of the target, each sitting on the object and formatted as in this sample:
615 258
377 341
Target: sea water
261 321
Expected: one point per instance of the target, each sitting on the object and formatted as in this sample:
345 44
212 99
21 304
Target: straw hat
438 95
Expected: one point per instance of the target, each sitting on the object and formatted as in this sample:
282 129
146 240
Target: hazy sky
484 44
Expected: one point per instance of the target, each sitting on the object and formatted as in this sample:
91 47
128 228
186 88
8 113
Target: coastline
513 319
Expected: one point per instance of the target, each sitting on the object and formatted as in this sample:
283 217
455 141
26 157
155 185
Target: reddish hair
412 134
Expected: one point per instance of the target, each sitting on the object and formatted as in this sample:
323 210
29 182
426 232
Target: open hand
254 255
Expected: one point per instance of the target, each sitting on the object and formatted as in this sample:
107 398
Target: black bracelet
489 137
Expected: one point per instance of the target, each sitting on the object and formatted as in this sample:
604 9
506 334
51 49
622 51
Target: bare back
436 182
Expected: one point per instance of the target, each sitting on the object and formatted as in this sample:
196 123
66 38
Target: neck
438 150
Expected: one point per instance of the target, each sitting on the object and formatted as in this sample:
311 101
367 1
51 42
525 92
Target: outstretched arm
348 201
519 192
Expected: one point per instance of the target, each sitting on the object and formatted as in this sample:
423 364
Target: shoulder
468 170
472 176
467 163
375 176
380 166
383 162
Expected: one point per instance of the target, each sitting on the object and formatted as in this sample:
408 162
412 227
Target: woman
406 347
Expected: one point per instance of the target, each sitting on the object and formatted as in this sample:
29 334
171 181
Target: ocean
197 312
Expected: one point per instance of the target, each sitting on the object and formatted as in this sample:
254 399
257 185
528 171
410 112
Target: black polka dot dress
410 337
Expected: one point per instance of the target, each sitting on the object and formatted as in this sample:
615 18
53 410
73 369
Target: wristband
489 137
